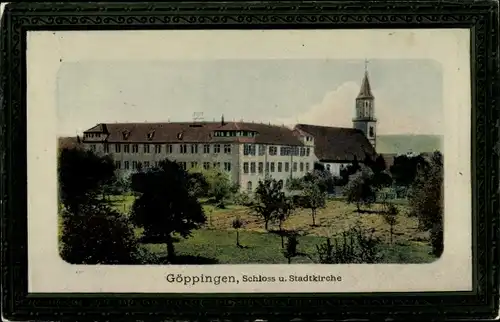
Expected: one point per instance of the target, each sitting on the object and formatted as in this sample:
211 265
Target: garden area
167 215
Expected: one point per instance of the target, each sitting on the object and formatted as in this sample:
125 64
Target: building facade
247 152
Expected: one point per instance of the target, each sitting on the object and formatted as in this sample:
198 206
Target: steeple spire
365 90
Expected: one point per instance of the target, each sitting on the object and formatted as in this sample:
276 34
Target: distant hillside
404 143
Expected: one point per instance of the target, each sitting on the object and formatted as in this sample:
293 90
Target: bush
242 199
97 235
353 246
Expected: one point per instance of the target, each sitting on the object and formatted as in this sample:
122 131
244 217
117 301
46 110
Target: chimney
222 120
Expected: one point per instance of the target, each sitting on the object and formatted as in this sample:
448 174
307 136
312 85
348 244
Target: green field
216 242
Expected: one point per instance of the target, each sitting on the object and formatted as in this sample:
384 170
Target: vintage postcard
217 161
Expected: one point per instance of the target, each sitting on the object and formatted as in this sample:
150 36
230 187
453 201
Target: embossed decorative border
480 16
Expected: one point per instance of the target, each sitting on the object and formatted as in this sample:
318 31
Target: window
285 150
252 167
262 149
156 163
117 148
308 151
169 148
301 167
183 165
245 167
227 148
372 132
92 147
302 152
194 148
217 148
261 167
118 164
328 167
307 166
194 164
184 148
295 151
280 166
249 186
227 166
249 149
146 164
126 165
135 148
157 148
217 165
267 167
287 166
273 150
295 167
206 148
272 166
106 148
146 148
206 165
134 165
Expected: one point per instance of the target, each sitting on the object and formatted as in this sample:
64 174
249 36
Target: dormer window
151 135
179 135
125 134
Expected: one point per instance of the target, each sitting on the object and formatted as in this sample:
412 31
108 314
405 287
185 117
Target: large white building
246 151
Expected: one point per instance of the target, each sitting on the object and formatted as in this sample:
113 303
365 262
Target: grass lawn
216 243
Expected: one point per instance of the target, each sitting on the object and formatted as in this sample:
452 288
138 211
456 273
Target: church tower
364 119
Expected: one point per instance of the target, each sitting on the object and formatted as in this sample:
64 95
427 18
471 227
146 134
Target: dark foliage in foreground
91 232
97 235
165 205
82 174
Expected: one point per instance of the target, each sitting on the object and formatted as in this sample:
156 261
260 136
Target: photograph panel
216 166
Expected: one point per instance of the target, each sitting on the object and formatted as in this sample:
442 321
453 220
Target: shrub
242 199
353 246
291 248
96 234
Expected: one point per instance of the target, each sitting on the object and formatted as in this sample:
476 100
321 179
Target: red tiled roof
333 144
190 132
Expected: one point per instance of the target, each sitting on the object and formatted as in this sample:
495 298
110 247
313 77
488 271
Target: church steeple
364 119
365 90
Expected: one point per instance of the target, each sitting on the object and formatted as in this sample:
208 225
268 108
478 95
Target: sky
408 93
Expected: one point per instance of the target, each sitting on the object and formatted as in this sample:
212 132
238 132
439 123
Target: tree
390 217
198 184
216 185
165 205
404 169
268 200
322 178
96 234
283 212
426 200
359 190
291 248
237 224
348 171
82 176
315 198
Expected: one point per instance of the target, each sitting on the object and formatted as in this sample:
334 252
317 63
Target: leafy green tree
217 184
314 198
390 217
96 234
283 212
165 206
268 200
426 200
82 176
237 224
348 171
404 169
359 190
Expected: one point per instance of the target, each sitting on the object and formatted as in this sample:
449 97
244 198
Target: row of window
248 149
137 165
169 148
251 149
258 167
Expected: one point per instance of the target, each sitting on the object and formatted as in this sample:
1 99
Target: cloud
338 107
